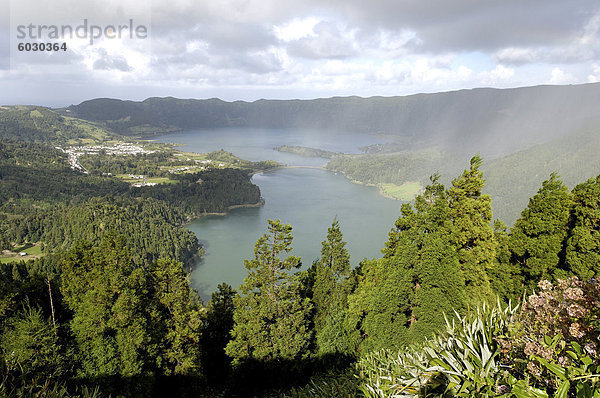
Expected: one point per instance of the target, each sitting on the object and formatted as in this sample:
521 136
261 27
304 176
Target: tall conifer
271 319
330 296
402 297
583 244
538 237
472 233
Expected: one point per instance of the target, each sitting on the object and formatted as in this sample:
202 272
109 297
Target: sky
279 49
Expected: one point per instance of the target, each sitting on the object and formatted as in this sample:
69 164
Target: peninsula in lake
307 152
530 132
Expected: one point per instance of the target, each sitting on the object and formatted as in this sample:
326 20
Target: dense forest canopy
103 306
116 312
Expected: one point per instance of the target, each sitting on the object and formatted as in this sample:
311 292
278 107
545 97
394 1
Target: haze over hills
524 134
490 121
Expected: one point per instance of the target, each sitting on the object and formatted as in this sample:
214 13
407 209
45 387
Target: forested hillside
524 134
510 179
39 124
98 318
48 206
498 122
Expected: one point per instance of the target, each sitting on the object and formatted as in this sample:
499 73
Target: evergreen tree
402 297
4 242
330 296
380 306
99 286
583 244
437 282
217 333
129 321
177 315
32 355
505 276
271 318
538 237
472 233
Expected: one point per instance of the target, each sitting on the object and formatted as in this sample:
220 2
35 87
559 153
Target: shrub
462 361
554 340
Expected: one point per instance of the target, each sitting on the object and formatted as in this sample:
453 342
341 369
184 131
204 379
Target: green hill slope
511 180
43 125
491 121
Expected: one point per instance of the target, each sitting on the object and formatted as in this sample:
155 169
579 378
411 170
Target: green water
308 199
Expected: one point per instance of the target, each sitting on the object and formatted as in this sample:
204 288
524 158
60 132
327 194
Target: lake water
308 199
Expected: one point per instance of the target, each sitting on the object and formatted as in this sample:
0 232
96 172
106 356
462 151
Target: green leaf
584 391
554 368
576 347
521 390
563 390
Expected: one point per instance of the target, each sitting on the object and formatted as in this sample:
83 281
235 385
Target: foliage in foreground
554 341
549 348
462 359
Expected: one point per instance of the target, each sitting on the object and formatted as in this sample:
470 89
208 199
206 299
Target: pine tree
217 333
128 320
271 319
176 312
506 278
330 296
472 233
538 237
583 243
438 284
402 297
33 357
99 286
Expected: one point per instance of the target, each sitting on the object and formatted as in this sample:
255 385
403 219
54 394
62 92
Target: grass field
160 180
154 180
32 251
406 191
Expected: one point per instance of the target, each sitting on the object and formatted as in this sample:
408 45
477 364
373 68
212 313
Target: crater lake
308 198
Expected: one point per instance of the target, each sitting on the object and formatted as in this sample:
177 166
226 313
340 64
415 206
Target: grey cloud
472 24
219 44
108 62
553 55
232 42
236 36
329 42
257 63
251 62
438 25
4 34
4 51
581 47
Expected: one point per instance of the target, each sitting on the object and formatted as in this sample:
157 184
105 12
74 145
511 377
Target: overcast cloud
251 49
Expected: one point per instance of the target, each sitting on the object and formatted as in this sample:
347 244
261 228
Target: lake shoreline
260 203
380 190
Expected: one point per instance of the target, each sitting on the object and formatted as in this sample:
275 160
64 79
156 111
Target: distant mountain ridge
496 121
523 134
